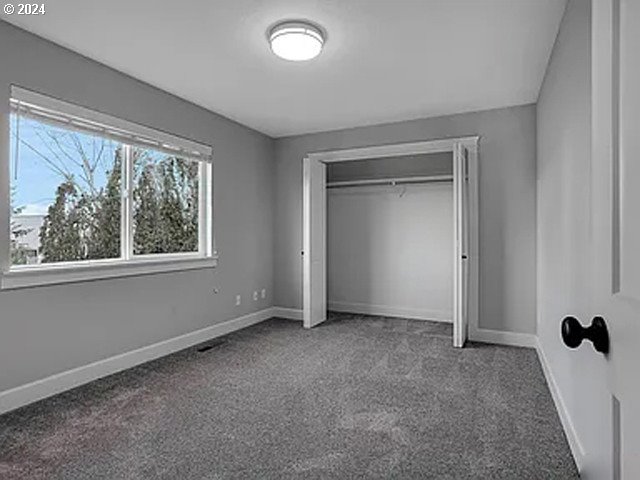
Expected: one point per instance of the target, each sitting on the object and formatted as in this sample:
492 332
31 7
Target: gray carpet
358 397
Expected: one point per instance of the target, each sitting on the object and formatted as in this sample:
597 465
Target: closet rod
391 181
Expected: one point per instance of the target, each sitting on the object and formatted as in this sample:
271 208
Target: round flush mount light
296 41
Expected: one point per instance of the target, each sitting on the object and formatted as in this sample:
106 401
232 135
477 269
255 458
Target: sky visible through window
35 180
65 194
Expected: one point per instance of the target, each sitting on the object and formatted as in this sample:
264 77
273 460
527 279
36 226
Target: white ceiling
384 60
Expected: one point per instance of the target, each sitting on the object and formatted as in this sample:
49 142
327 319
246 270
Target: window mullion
208 211
201 190
126 236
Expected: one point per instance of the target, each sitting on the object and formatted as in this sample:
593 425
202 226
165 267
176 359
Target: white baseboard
565 418
46 387
389 311
288 313
500 337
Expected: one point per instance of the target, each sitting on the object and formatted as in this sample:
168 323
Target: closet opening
392 231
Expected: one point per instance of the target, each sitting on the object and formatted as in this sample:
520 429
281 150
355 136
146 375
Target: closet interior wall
390 236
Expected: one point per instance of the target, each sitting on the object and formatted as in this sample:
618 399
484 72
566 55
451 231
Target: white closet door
315 243
461 245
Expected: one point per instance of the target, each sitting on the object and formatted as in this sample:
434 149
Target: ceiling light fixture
296 41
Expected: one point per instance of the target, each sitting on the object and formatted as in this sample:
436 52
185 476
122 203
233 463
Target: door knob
573 333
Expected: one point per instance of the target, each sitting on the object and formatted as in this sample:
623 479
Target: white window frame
128 264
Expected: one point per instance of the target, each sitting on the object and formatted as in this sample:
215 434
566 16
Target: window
90 190
66 194
165 203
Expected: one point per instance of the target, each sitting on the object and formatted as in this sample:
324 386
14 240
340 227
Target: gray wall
507 205
52 329
390 250
563 183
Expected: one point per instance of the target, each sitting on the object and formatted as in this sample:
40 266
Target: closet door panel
461 245
315 245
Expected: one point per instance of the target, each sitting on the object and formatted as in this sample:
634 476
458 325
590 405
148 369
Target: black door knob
573 333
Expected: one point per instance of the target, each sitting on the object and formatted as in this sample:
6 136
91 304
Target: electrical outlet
255 296
238 300
263 293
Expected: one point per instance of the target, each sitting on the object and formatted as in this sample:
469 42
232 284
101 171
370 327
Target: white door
461 245
314 243
615 206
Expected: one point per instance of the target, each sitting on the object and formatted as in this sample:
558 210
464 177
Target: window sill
28 277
